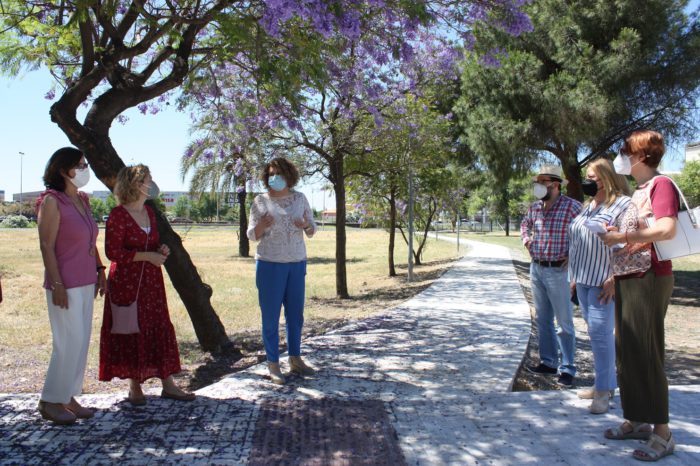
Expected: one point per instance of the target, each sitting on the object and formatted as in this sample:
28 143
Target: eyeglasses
82 166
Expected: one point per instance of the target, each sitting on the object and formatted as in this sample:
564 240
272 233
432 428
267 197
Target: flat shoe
648 453
637 433
178 397
61 416
136 400
82 412
298 366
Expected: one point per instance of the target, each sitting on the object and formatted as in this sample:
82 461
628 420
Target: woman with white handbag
642 299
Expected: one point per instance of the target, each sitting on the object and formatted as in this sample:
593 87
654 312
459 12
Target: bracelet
54 284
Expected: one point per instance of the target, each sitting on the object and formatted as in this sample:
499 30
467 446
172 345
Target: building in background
169 197
692 152
2 195
30 197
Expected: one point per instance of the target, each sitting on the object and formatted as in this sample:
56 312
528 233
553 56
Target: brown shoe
298 366
184 396
56 413
276 373
80 412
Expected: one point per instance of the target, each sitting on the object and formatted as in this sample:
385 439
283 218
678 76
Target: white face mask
81 178
539 190
623 165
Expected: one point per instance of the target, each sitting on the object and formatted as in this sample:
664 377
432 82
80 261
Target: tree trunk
505 201
572 172
338 178
432 209
243 243
392 231
195 294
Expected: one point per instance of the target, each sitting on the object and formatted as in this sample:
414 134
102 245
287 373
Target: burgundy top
76 241
664 203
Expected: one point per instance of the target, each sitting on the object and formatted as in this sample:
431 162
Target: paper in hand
596 227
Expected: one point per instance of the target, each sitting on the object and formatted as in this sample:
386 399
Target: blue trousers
550 292
281 284
600 318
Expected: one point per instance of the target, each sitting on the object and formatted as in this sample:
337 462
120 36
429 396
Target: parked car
105 217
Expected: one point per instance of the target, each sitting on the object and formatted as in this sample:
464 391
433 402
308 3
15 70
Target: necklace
83 214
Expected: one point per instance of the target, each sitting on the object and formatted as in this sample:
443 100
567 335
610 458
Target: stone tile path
426 383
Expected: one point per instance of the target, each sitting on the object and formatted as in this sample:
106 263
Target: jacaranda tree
341 78
112 55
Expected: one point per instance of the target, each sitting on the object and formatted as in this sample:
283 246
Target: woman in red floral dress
133 245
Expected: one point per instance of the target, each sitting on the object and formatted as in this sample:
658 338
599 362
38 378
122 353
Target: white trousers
71 329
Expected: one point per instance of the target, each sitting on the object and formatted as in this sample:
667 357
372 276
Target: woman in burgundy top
133 245
641 301
73 276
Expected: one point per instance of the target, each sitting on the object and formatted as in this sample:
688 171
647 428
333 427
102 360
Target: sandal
647 452
641 431
136 400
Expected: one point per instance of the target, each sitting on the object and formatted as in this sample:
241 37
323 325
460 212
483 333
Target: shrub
15 221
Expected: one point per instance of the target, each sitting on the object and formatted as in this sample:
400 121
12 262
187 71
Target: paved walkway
426 383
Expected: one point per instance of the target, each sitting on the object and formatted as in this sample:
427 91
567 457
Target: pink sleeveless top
76 239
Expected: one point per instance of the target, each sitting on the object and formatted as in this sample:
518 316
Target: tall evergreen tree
589 72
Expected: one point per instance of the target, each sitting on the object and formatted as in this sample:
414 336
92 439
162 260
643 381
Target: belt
558 263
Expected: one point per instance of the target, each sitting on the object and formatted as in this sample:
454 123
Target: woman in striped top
590 271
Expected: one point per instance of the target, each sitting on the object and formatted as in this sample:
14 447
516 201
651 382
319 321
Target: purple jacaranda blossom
143 108
50 95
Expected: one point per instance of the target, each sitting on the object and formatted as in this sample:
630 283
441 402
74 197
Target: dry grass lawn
25 336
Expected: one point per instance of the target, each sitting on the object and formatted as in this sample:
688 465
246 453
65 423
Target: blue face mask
277 182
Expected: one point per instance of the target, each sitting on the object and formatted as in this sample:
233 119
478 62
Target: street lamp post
21 156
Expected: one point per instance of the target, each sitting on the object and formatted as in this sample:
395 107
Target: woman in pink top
74 275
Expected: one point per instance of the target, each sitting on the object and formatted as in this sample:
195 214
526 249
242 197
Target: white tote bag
687 239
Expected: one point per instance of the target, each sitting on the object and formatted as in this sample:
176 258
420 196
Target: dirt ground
22 374
682 337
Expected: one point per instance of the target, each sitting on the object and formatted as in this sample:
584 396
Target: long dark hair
60 163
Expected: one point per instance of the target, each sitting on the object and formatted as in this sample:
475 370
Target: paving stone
426 383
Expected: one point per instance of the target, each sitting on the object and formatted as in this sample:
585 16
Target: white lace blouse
283 241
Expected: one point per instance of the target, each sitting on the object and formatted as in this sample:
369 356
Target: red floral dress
153 351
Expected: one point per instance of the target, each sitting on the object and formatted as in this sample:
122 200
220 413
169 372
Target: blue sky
156 140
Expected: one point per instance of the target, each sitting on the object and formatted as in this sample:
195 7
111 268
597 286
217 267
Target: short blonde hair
614 185
126 189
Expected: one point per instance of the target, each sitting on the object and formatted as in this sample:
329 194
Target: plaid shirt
547 230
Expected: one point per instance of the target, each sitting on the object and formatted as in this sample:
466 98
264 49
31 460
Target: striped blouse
590 261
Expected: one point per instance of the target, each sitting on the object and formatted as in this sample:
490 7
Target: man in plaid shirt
544 232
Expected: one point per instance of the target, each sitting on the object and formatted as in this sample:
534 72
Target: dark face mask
590 187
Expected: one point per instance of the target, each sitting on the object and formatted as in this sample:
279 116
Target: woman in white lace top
278 220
